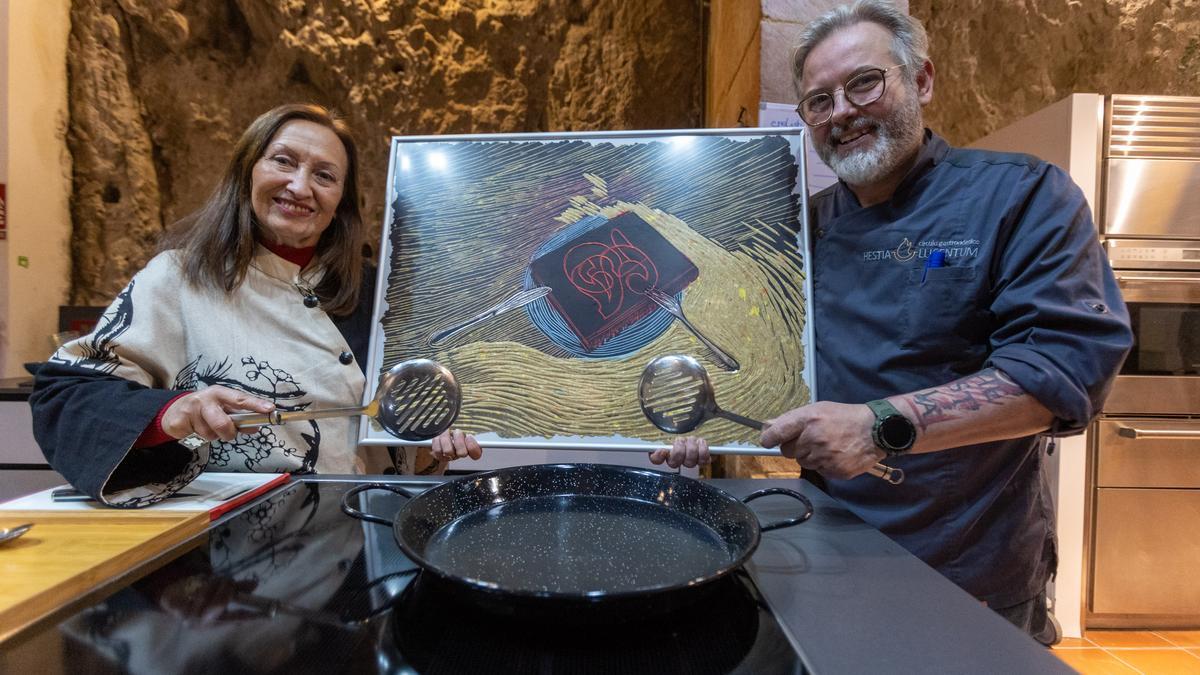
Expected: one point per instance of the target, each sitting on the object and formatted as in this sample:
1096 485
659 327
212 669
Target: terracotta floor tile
1183 638
1075 643
1160 661
1126 638
1094 662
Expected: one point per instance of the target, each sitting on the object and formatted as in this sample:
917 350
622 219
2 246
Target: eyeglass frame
831 93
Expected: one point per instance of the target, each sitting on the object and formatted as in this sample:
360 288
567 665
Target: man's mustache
836 132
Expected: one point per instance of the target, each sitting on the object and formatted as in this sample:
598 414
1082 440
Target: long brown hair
217 240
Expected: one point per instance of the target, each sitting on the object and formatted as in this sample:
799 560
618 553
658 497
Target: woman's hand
451 445
688 451
203 599
206 413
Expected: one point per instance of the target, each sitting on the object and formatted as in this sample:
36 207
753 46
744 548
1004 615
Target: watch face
896 432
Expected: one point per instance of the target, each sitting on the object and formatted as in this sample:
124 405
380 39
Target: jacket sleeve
1062 328
97 394
86 423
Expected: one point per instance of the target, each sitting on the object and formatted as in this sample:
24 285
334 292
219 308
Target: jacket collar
283 269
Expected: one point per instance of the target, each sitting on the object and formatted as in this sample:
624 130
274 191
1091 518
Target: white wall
39 181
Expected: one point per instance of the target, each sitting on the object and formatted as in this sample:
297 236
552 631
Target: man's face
865 144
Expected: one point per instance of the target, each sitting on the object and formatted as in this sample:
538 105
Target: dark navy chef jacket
1024 287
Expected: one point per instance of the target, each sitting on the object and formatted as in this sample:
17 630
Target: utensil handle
734 417
757 452
727 362
518 299
890 474
243 420
441 336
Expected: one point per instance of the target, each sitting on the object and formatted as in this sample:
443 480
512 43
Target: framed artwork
529 264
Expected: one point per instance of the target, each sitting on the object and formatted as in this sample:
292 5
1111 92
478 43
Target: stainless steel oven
1161 375
1144 468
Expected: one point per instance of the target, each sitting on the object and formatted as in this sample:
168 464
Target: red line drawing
605 273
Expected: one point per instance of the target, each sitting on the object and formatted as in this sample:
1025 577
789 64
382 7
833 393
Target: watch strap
884 412
882 409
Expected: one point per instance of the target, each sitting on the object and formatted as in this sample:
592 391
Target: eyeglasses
862 89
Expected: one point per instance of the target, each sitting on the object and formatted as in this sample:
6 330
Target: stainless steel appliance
1144 455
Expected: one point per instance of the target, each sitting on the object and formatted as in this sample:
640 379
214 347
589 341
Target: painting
546 270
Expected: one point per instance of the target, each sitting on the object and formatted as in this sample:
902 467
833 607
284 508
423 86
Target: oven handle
1129 277
1174 434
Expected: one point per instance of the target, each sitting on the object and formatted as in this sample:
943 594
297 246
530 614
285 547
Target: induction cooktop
293 585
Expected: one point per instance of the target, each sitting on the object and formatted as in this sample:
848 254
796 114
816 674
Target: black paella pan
557 535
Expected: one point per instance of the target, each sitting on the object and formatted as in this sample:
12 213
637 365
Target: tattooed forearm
951 401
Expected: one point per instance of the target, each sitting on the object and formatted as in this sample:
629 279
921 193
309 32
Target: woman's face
296 185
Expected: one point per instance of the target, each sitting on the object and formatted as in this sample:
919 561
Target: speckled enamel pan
584 533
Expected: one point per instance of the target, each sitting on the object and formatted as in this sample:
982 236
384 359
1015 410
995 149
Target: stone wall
1000 60
782 21
161 89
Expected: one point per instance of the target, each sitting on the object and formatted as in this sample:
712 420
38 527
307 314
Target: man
962 306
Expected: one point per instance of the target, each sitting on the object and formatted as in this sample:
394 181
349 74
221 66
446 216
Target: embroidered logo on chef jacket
906 251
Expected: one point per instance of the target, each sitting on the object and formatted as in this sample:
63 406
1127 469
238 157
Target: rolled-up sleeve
1062 328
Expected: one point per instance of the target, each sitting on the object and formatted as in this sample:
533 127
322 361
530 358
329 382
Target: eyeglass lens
862 89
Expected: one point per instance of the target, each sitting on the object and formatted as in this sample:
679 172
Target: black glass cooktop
293 585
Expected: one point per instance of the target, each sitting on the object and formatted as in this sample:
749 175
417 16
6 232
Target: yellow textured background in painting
519 392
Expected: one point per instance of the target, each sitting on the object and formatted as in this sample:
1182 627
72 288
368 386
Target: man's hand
451 445
831 438
206 413
687 451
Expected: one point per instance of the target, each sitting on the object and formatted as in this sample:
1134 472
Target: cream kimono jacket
162 336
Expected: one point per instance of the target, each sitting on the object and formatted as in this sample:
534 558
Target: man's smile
852 138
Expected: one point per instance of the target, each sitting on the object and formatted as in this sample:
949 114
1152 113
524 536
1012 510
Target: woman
259 300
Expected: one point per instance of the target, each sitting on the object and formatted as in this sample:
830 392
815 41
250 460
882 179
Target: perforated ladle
677 397
415 401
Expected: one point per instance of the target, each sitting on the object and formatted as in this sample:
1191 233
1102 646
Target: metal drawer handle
1181 434
1124 277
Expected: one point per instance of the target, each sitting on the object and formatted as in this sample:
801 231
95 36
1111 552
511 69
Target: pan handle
358 489
808 507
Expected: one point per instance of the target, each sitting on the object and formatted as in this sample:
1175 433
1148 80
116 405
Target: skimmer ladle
677 397
415 401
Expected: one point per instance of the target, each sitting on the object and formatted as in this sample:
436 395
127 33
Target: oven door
1161 376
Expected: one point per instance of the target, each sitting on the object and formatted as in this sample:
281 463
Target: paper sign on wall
784 116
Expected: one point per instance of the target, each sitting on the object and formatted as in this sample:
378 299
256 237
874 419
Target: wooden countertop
68 556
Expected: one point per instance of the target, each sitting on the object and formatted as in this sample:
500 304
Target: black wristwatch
892 432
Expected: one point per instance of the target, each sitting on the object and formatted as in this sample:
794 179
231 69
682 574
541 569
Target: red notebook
599 278
252 493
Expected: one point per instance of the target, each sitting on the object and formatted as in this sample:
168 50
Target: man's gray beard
895 139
